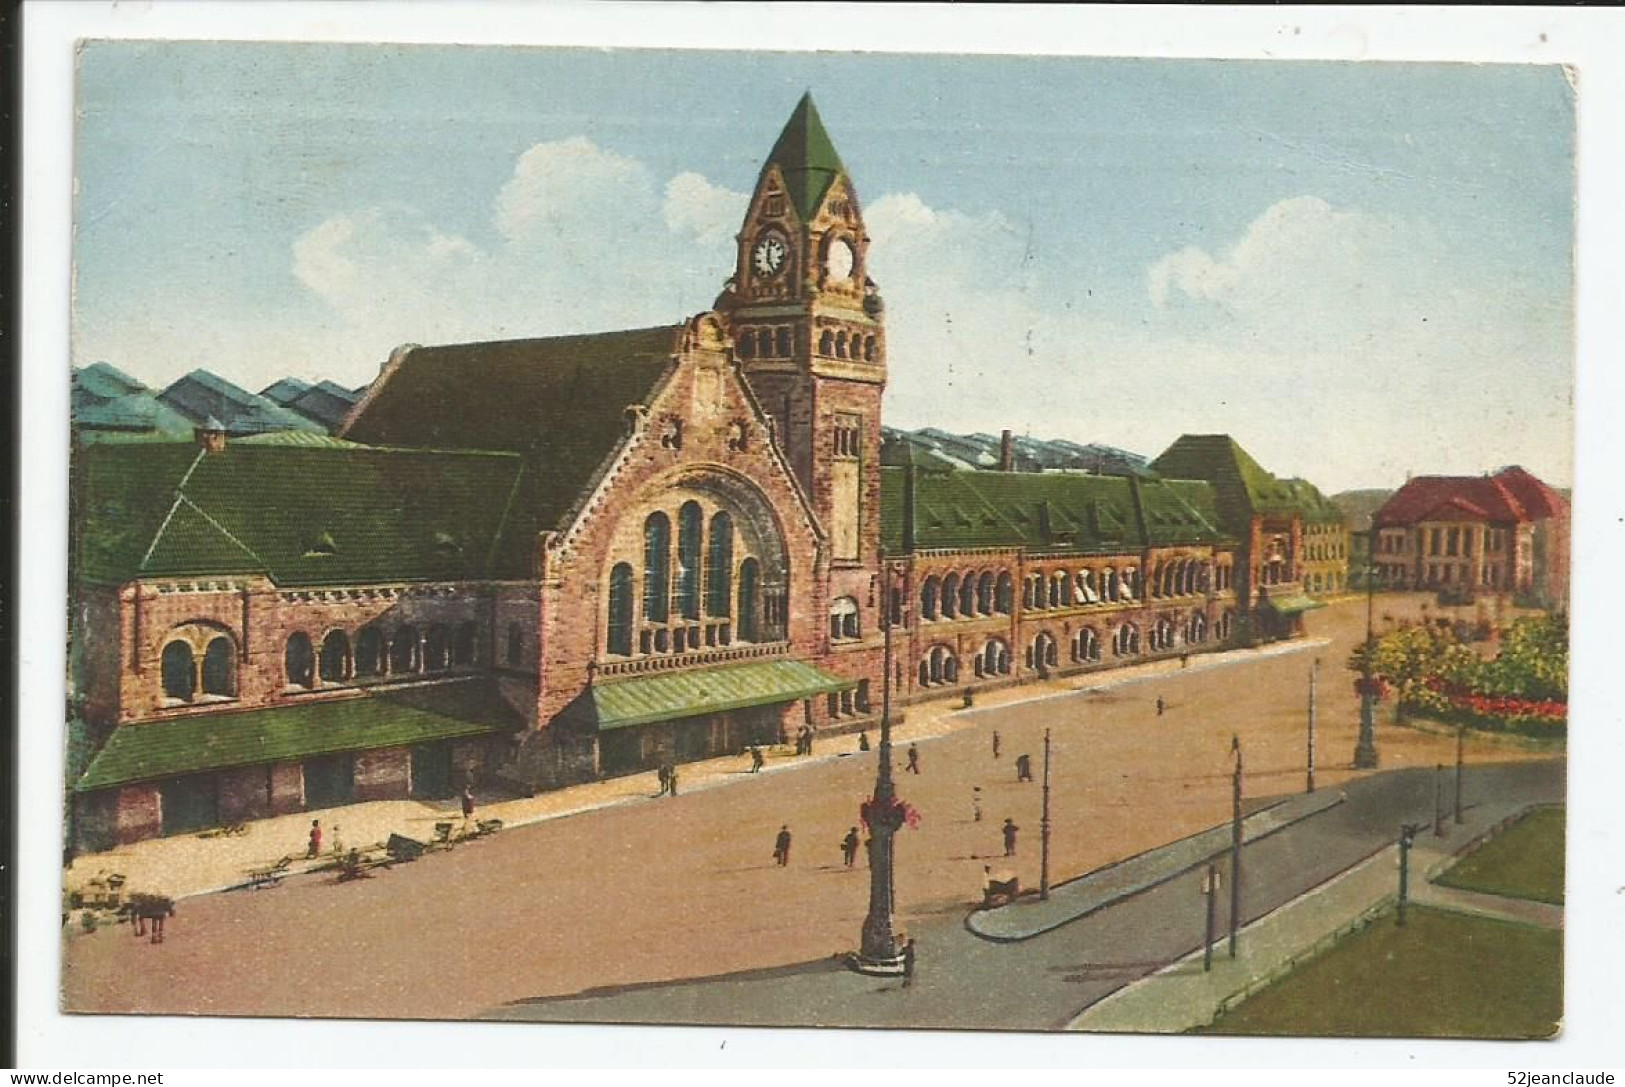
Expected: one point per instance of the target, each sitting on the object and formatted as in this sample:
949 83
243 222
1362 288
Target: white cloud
709 212
567 191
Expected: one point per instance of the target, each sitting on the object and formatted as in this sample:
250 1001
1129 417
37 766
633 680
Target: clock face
768 256
841 260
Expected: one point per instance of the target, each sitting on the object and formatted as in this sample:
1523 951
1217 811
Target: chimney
1007 452
211 435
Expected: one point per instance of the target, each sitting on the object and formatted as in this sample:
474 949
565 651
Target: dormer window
320 546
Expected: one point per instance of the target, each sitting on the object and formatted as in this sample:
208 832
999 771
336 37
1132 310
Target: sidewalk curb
1140 889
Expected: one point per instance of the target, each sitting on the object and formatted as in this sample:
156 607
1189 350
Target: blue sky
1358 270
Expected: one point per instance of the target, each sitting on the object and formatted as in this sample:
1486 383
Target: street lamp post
1210 891
1365 750
1235 845
1438 800
1461 741
879 953
1310 783
1043 829
1407 837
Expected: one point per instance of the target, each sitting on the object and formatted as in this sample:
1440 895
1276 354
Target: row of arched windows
689 594
1181 578
1063 588
765 343
837 344
961 596
406 651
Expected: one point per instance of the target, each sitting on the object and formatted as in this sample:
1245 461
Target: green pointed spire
806 157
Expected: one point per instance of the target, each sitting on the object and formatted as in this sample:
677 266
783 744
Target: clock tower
808 331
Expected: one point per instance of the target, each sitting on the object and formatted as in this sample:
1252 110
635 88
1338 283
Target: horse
141 908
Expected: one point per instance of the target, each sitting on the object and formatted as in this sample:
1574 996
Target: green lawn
1444 975
1523 861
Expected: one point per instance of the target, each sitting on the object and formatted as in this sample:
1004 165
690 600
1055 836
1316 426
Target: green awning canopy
644 700
219 741
1293 604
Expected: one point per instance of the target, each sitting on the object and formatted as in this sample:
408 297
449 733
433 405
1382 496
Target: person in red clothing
315 838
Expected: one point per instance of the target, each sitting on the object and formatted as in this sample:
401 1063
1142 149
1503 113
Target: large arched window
690 527
928 597
843 618
1042 653
1060 591
1196 629
984 593
620 609
950 596
437 648
719 568
369 652
180 677
967 595
656 568
994 659
1004 594
220 668
299 661
1126 642
1086 587
404 652
464 644
750 591
335 658
1086 646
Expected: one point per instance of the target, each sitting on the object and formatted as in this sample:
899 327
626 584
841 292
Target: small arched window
464 644
950 596
179 675
299 661
764 342
783 341
405 655
335 657
437 649
967 595
369 652
826 343
220 668
928 598
1004 594
750 579
843 618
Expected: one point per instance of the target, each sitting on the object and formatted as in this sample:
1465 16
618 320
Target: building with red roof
1501 533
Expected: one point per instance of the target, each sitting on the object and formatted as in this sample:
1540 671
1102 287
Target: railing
670 662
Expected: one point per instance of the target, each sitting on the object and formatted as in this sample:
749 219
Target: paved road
966 982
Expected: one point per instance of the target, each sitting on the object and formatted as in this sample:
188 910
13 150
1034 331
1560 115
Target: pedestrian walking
1024 767
811 732
1159 705
315 838
671 781
849 847
801 740
863 740
1010 830
663 775
908 962
995 743
976 803
913 759
338 843
756 760
468 804
781 847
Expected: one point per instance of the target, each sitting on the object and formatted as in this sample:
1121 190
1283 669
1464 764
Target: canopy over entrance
644 700
1291 604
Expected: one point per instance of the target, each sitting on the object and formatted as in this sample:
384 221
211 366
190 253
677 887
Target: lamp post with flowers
885 814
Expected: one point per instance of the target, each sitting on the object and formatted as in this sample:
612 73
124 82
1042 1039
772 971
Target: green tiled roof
1051 511
1315 507
806 156
188 745
315 515
647 699
1244 487
559 402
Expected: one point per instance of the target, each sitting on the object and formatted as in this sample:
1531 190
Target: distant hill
1358 506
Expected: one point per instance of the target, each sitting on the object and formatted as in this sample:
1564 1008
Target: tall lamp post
1043 829
1365 751
1461 756
1235 845
879 953
1309 785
